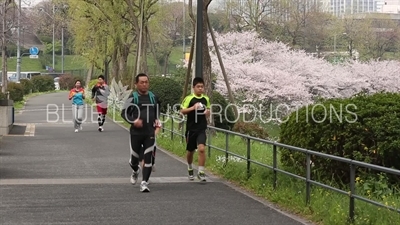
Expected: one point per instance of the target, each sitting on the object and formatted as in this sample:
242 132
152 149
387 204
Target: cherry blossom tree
260 71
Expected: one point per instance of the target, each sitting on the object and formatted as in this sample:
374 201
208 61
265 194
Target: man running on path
141 111
100 93
197 107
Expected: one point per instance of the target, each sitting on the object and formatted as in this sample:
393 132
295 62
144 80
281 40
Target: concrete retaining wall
6 116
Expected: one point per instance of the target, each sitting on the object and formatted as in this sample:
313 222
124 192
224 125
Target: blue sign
34 51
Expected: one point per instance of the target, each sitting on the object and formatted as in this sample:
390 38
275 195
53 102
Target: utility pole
138 67
199 39
54 24
62 49
183 31
18 43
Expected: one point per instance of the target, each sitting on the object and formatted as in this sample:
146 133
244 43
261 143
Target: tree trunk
206 55
228 87
189 69
4 62
206 61
4 49
151 44
122 61
89 75
135 67
188 76
143 56
165 72
114 63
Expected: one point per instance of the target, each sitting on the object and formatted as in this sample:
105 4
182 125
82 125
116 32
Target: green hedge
43 83
27 86
2 96
16 91
364 127
168 91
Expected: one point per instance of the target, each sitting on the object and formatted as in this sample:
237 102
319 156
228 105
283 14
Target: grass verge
326 207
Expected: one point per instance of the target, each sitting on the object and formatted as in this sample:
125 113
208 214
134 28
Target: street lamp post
183 31
62 49
138 67
19 42
54 24
199 39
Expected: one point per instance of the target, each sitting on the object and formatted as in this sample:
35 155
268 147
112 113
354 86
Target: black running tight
101 118
136 142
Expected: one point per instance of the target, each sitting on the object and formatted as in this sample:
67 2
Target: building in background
391 6
346 7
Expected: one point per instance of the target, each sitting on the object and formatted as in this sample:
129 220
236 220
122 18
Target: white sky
28 3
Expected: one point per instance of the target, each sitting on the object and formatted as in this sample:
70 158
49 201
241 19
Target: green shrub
251 128
2 96
27 86
67 81
43 83
226 118
16 91
168 91
365 128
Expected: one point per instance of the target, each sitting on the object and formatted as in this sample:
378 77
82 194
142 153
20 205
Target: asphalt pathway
51 175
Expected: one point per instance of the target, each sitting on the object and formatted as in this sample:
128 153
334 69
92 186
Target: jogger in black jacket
141 111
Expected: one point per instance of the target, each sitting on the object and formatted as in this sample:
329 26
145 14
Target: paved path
51 175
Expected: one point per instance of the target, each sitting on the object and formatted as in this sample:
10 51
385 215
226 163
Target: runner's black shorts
195 138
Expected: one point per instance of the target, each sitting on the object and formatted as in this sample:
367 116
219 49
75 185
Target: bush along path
20 92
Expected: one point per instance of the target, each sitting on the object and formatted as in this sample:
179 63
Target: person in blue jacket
77 95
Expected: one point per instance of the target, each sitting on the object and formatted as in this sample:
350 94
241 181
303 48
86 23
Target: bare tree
7 12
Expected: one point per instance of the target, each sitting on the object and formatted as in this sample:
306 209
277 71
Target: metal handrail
353 163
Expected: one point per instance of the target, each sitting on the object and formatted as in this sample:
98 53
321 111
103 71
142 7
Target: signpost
34 51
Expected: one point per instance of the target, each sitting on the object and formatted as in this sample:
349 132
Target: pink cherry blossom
259 70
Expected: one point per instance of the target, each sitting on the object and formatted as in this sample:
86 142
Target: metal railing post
308 177
226 147
172 128
248 157
209 142
275 165
352 191
163 119
183 131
